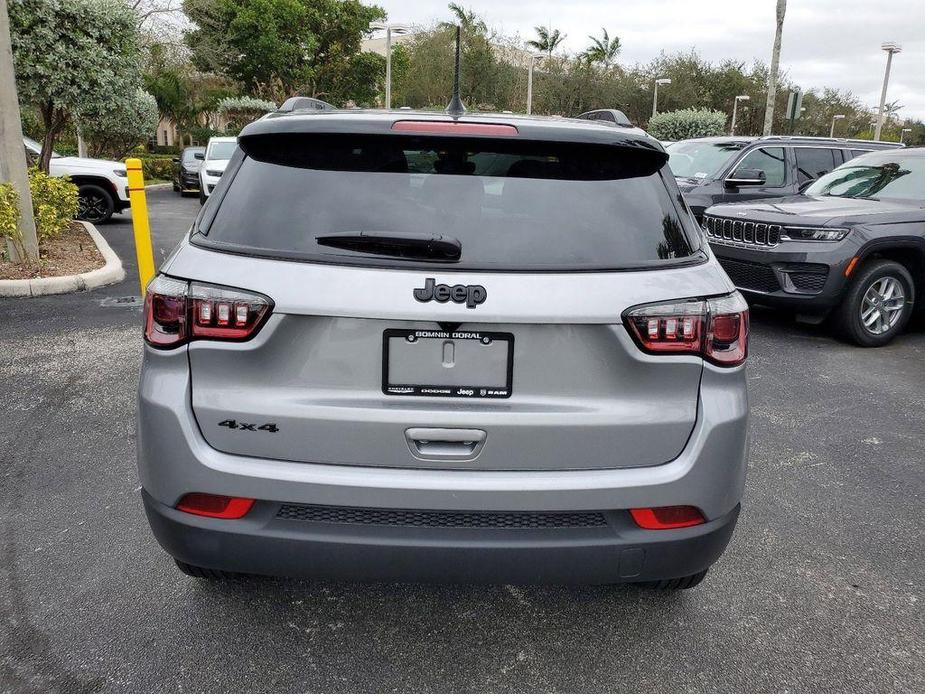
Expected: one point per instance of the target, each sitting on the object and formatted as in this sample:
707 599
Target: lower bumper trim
264 543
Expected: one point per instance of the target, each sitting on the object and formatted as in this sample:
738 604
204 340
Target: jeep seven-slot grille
528 520
742 231
754 276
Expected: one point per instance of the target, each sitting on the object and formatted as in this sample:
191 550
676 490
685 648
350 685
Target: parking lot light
660 80
398 30
837 116
891 48
735 108
533 58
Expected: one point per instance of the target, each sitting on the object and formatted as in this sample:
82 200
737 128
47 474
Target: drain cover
122 301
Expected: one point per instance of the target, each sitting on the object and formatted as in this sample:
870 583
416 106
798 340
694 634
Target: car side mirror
746 177
199 155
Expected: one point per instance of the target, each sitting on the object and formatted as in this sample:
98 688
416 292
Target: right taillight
177 311
715 329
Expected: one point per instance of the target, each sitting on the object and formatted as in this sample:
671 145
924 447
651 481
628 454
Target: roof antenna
456 107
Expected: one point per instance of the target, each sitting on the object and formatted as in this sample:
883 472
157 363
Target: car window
852 153
219 151
813 162
876 177
768 159
189 155
512 206
698 159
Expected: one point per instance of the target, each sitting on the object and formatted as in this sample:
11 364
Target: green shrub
687 123
157 166
9 216
241 110
54 203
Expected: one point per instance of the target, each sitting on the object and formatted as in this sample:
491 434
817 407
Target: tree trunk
54 121
775 63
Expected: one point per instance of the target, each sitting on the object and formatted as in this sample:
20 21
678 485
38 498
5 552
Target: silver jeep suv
409 346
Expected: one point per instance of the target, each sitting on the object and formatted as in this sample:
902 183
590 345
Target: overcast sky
833 43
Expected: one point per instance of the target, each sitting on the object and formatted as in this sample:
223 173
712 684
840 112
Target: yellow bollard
136 196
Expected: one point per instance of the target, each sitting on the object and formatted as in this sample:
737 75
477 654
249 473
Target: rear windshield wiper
396 244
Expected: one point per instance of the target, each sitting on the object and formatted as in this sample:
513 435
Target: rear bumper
262 543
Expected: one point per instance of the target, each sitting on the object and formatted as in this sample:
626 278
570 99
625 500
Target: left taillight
715 328
177 312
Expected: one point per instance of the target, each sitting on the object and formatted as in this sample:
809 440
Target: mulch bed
70 253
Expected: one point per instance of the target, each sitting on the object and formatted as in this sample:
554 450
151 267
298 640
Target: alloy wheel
882 305
92 208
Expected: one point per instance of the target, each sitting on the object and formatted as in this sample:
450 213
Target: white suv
218 153
102 183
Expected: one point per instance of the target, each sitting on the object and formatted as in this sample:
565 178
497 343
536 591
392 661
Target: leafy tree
73 57
547 39
124 125
242 110
603 50
287 46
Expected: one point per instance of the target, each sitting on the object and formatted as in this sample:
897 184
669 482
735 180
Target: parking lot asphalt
819 591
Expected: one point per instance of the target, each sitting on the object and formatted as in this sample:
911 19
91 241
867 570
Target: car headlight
812 234
121 173
217 174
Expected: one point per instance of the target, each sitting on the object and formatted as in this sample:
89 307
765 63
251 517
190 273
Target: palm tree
467 19
603 50
547 39
775 62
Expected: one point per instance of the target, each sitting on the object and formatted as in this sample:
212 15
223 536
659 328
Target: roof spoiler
608 116
305 103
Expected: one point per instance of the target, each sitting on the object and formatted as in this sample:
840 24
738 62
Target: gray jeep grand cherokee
411 346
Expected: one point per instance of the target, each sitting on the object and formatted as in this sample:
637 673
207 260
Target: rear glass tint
510 205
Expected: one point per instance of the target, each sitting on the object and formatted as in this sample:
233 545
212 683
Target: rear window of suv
510 205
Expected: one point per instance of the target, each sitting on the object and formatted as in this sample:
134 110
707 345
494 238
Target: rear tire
863 301
683 583
94 204
208 574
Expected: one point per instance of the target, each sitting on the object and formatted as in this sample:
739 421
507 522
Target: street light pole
735 109
660 80
533 58
891 47
398 30
837 116
12 151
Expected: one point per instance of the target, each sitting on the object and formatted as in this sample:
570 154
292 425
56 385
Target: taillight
715 329
177 312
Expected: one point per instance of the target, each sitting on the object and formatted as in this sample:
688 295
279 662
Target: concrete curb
158 186
110 273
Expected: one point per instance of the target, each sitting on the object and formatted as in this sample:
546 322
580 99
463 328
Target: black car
186 169
711 170
852 246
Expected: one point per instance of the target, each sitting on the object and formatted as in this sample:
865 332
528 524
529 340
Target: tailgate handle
445 444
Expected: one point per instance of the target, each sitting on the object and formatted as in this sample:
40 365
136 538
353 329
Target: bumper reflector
215 505
667 517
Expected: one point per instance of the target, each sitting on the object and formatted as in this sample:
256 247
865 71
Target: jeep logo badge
469 294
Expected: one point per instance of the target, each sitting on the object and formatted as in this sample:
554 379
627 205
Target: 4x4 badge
469 294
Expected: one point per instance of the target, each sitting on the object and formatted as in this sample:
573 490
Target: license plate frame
466 391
